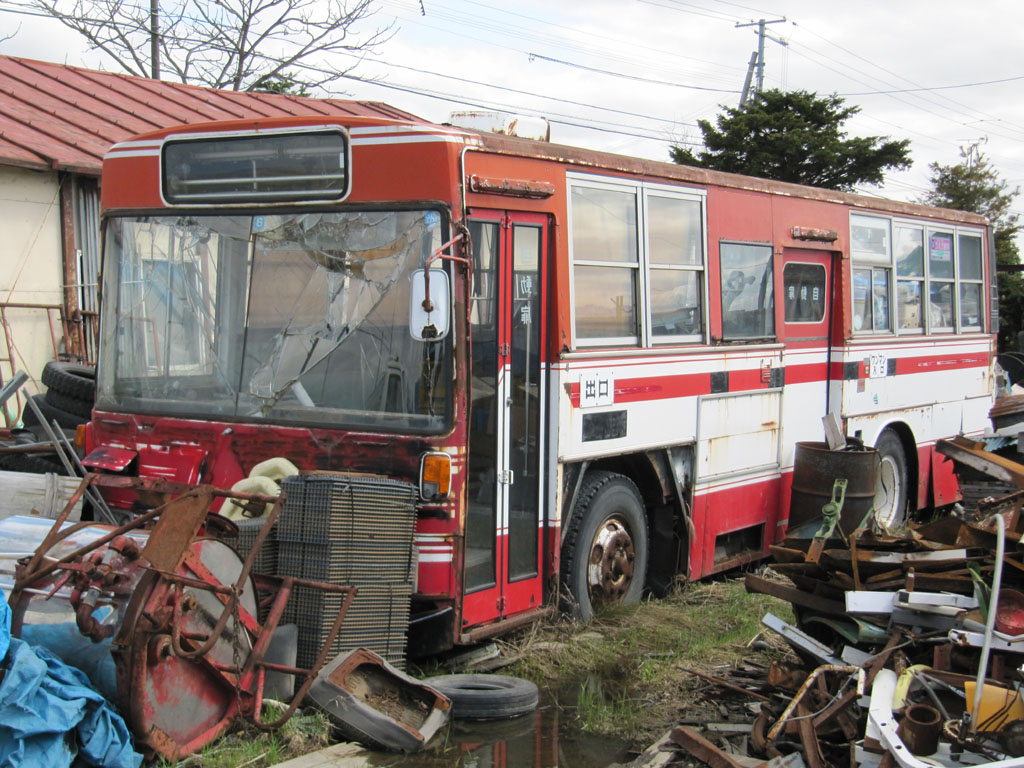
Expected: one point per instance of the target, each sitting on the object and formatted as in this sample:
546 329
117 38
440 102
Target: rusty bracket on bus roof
537 190
814 233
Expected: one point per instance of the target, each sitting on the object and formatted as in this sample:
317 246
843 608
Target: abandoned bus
593 369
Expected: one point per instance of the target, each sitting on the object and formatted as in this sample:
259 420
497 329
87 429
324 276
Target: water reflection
546 738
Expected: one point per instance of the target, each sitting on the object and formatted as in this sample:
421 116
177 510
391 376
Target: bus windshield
299 318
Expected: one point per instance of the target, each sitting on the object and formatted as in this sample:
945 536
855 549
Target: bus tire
891 491
604 556
479 696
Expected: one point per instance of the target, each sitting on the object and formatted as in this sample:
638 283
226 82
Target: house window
638 258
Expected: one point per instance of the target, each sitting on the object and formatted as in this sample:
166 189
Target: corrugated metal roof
58 117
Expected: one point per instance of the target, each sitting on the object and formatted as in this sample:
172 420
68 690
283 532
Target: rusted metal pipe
920 729
811 678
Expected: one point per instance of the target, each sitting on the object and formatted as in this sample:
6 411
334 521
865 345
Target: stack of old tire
70 392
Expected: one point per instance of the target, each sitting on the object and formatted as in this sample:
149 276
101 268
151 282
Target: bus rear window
270 167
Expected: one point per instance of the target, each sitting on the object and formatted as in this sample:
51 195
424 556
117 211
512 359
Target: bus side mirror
429 313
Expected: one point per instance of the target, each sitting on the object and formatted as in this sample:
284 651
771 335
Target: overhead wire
569 120
519 31
889 72
561 43
630 77
526 93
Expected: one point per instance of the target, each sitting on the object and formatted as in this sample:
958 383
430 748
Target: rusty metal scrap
890 632
703 749
192 625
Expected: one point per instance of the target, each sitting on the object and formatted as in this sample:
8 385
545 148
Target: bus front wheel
604 553
891 482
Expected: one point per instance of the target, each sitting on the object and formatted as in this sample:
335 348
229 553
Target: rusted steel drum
815 471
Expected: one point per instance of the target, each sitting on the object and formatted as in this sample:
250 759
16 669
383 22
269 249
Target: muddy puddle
546 738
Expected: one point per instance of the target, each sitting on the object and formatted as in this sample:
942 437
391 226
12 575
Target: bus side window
748 292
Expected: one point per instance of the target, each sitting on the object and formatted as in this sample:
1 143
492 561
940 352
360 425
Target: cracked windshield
293 318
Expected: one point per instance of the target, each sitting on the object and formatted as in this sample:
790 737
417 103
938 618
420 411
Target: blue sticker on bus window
432 218
258 223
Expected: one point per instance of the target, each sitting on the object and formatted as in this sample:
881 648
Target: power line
874 64
937 87
630 77
561 43
528 93
513 109
675 7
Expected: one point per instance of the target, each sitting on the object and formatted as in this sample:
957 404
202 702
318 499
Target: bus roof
588 159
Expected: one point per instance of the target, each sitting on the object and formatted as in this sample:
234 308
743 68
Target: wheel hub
610 570
887 493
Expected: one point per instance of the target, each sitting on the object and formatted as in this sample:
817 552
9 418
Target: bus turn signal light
435 476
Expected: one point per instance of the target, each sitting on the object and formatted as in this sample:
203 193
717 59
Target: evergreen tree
794 136
974 185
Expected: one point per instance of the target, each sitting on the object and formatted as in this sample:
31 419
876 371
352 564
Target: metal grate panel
355 530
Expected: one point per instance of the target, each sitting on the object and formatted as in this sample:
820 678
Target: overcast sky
640 73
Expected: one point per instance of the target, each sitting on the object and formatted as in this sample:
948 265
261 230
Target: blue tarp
50 713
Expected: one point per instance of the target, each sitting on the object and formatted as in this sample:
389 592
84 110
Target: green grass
253 748
625 674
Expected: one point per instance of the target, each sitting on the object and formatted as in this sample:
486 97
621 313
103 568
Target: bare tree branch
233 44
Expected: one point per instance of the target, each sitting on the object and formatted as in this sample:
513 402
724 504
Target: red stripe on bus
750 380
909 365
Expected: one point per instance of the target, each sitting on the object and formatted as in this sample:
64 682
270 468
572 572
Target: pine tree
794 136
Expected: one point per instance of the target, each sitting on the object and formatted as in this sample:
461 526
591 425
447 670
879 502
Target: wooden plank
26 493
815 603
702 749
833 432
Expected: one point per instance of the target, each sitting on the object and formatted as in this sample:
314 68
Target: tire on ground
27 462
72 379
604 554
891 484
70 404
64 418
479 696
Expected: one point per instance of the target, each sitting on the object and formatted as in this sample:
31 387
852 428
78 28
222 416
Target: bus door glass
806 316
502 573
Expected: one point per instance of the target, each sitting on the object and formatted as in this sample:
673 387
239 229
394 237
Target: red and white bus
595 368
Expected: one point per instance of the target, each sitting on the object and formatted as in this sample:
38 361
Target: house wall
31 270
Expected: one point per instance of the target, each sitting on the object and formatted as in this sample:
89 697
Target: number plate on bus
878 366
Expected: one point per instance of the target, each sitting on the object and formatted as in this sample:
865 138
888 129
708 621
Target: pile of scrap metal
911 645
168 612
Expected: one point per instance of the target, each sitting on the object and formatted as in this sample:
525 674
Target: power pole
154 38
746 81
761 35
